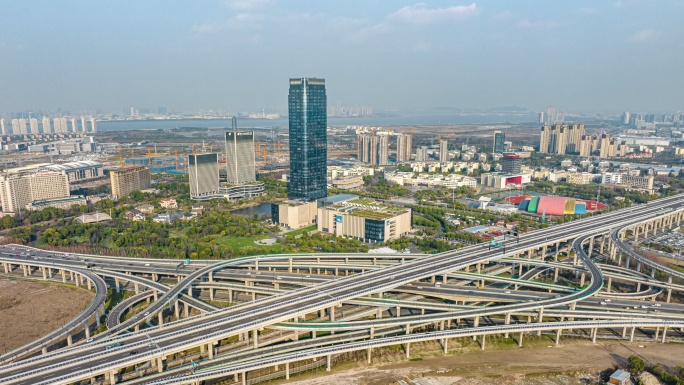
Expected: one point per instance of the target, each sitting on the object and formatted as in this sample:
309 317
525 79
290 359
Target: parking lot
674 240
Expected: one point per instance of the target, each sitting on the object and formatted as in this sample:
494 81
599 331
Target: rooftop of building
367 208
74 166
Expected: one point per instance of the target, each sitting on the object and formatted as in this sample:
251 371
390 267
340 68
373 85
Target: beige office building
294 214
17 190
128 179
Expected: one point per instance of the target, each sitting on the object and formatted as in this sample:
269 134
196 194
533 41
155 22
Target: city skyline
580 56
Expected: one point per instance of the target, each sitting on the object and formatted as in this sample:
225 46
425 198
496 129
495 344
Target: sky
237 55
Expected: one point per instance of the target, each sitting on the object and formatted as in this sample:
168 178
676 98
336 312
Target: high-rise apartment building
574 137
129 179
404 147
33 126
240 160
544 139
20 189
585 147
422 154
307 106
3 128
499 142
443 151
93 126
47 128
83 124
373 147
19 126
203 170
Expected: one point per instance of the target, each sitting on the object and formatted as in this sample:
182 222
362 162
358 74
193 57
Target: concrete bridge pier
176 310
664 334
507 322
608 285
631 335
70 339
555 275
328 363
657 333
160 318
287 371
186 310
116 285
627 261
476 323
540 317
86 327
368 354
407 348
482 344
520 340
593 335
558 335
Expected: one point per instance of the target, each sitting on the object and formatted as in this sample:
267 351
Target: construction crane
176 160
120 156
265 156
149 156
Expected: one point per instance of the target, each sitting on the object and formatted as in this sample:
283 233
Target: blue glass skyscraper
307 105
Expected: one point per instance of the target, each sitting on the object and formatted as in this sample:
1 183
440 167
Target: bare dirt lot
29 310
574 362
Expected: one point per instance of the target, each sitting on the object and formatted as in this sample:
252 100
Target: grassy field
302 230
243 242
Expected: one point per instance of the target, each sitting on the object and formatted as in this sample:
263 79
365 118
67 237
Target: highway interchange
295 311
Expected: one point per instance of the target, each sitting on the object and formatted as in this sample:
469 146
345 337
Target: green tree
636 364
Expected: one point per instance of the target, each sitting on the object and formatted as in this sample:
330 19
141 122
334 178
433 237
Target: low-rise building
583 178
620 377
243 190
502 180
365 220
171 216
168 203
347 182
294 214
60 203
147 209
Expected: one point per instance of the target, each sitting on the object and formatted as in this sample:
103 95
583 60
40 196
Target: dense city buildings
203 170
46 125
308 139
125 180
240 162
21 186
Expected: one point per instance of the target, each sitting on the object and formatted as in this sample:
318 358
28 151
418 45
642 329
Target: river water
403 120
264 208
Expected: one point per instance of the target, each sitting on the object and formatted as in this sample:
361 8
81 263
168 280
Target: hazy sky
238 55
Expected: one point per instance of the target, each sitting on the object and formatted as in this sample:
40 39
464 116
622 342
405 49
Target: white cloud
420 14
241 21
248 4
643 36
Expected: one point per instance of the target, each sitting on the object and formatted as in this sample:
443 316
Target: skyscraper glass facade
307 105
